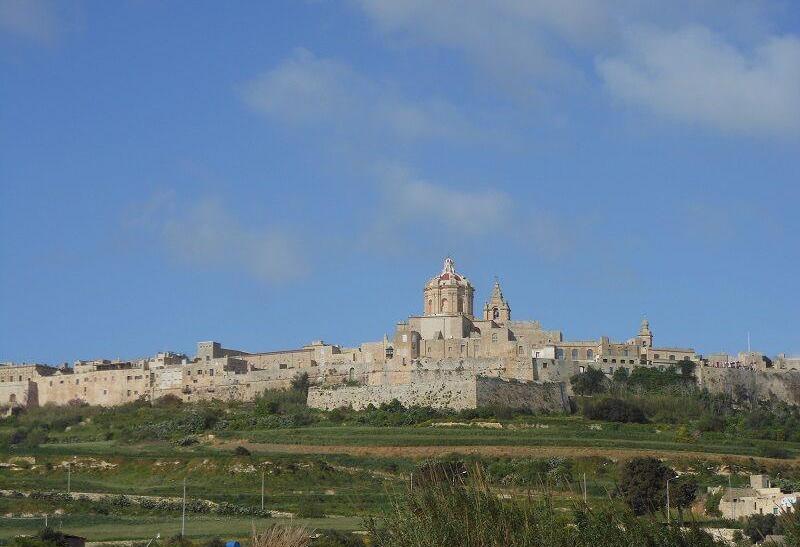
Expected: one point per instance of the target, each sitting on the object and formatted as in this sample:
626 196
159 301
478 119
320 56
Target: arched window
559 353
494 337
495 313
445 305
352 376
589 354
574 354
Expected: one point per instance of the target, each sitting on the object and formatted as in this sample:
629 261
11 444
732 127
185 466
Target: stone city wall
535 396
776 385
455 390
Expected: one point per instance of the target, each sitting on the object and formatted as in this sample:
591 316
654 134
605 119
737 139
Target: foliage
613 410
643 484
300 383
472 515
281 536
590 382
241 451
711 504
757 527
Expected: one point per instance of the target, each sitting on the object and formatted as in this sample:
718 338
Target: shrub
590 382
758 527
774 452
614 410
241 451
472 515
642 484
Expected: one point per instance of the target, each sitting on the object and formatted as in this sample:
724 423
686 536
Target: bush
774 452
590 382
758 527
241 451
472 515
614 410
643 484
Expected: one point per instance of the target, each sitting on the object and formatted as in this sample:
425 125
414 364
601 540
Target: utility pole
262 489
183 512
668 501
584 488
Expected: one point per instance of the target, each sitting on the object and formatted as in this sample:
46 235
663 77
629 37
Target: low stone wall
452 393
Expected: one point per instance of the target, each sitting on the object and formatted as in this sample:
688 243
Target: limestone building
444 344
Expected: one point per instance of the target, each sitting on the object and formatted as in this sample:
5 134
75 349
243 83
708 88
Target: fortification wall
450 393
780 385
535 396
13 394
443 387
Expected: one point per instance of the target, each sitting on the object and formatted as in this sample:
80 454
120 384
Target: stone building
447 340
759 498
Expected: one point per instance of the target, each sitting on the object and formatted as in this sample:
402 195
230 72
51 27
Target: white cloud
514 40
34 20
410 199
693 75
203 234
307 90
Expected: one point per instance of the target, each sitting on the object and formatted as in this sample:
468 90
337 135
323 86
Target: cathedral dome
448 292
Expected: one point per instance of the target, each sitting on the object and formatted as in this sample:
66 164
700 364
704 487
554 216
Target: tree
643 484
682 493
300 383
589 383
687 367
621 375
614 410
758 527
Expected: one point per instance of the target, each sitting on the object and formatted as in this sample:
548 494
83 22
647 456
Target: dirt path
498 451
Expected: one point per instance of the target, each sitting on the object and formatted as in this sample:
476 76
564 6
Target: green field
331 470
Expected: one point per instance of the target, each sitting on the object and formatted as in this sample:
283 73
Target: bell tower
497 309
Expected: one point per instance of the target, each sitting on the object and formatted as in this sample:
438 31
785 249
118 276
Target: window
605 360
574 354
671 357
283 366
582 369
559 353
521 351
613 360
188 373
405 338
211 372
12 398
199 372
544 365
656 356
494 337
625 353
589 354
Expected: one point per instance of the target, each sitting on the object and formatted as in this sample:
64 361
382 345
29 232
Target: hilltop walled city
448 356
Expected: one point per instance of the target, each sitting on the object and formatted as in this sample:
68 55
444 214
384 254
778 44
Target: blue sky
276 172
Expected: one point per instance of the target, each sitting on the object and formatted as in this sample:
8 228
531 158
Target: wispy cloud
694 75
306 90
413 209
34 20
204 234
743 80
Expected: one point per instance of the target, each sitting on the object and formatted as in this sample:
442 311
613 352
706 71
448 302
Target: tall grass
281 536
470 514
